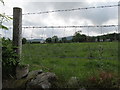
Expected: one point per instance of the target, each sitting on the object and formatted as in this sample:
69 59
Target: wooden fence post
119 38
0 62
17 31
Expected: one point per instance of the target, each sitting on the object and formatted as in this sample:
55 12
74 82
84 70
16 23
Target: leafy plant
3 18
2 2
9 58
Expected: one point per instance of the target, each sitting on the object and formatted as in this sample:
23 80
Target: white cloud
111 21
92 1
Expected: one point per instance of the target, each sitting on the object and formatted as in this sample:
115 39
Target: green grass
72 59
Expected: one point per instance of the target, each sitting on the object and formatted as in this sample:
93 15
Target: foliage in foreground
9 57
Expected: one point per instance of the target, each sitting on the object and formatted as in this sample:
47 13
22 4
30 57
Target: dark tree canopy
79 37
54 39
48 40
24 41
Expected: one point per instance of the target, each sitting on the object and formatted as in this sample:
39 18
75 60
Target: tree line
84 38
80 38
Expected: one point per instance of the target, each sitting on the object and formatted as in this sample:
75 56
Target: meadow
68 60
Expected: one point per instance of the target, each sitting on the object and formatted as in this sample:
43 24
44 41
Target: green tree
79 37
54 39
48 40
76 37
24 41
83 38
64 40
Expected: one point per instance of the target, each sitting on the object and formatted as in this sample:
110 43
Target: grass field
72 59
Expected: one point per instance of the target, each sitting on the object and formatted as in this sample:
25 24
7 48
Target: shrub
9 57
103 80
24 41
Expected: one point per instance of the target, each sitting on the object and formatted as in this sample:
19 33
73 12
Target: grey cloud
100 16
96 16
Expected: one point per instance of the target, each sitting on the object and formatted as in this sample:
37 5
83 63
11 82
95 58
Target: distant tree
48 40
54 39
98 38
117 36
76 37
24 41
69 41
112 37
60 41
83 38
79 37
64 40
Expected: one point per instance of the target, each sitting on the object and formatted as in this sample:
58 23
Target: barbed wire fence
73 9
56 50
90 49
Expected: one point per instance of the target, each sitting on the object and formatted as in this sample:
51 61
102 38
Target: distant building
107 40
36 41
101 40
96 40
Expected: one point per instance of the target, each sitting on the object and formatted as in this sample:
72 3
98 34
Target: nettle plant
8 55
9 58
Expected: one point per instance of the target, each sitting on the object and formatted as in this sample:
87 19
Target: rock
20 83
42 81
73 82
22 71
82 89
33 74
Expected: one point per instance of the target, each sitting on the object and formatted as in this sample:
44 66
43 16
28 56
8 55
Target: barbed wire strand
33 27
73 9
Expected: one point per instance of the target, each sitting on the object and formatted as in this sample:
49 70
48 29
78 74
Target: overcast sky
106 16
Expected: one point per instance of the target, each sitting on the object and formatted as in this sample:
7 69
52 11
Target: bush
9 57
24 41
103 80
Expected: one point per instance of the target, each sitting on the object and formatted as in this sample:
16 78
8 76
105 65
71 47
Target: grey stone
21 83
22 71
33 74
73 82
82 89
42 81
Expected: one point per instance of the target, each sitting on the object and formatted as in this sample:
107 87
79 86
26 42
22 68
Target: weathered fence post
17 31
119 38
0 62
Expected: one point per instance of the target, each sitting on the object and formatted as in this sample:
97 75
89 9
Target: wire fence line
62 29
32 27
108 58
73 9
